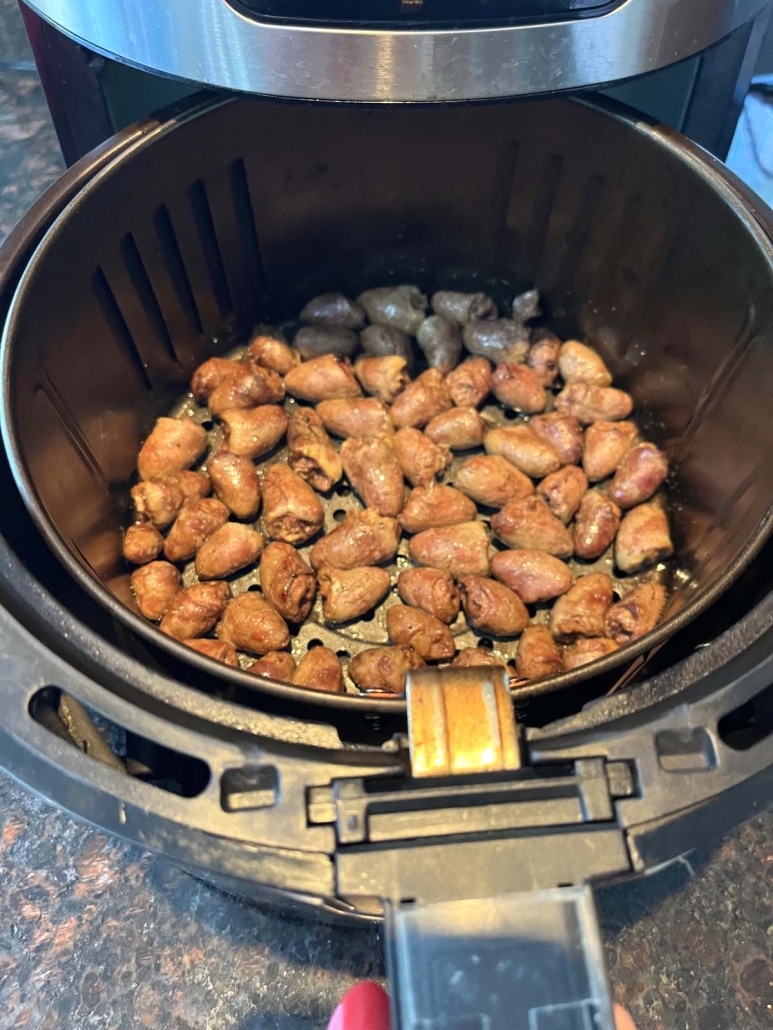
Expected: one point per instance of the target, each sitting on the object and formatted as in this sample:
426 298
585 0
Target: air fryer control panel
408 14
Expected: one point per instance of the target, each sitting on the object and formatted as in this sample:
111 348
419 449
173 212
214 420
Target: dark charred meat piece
400 307
287 581
639 475
533 575
432 590
174 444
530 524
363 538
310 451
606 444
462 550
441 342
637 613
582 610
351 593
579 363
491 480
292 512
328 377
384 669
469 383
228 549
412 627
154 587
421 460
643 538
537 655
312 341
463 307
598 520
492 608
250 623
333 309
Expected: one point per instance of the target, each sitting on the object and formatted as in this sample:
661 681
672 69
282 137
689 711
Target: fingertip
364 1007
623 1020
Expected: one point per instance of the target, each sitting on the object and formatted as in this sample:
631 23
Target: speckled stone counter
97 934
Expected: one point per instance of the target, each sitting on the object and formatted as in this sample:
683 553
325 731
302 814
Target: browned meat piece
292 512
382 340
435 505
470 382
463 307
215 649
587 649
639 475
643 538
537 655
154 586
250 386
474 658
606 444
383 377
254 433
529 524
581 611
562 491
328 377
598 520
562 432
384 668
350 593
272 352
460 429
521 446
363 538
236 483
491 480
174 444
518 387
421 400
250 623
432 590
312 341
230 548
428 636
320 669
358 416
579 363
594 403
637 613
400 307
142 543
373 470
533 575
491 608
421 460
525 306
194 485
440 340
158 500
194 612
333 309
197 521
276 665
543 358
500 339
209 375
287 581
310 451
461 550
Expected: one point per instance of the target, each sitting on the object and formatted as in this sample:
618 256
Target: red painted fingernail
364 1007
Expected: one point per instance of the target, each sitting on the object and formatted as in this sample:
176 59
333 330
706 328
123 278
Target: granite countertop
97 934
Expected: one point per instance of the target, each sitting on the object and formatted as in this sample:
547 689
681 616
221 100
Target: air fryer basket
242 210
